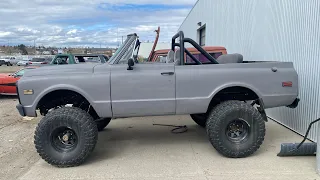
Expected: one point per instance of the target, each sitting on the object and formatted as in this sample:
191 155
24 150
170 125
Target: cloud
89 23
73 31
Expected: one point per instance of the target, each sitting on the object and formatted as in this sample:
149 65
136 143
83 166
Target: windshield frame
122 51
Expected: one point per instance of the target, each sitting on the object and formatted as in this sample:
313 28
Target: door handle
167 73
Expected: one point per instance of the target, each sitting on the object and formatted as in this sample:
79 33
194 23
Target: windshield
118 50
125 51
129 54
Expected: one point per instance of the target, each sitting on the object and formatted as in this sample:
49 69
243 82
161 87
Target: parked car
79 58
39 61
23 63
216 94
2 62
8 81
14 60
9 61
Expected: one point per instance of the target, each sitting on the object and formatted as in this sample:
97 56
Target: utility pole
122 40
34 45
118 36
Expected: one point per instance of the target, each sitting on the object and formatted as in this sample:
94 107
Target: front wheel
235 129
66 136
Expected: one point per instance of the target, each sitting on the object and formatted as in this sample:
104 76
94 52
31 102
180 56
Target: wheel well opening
233 93
59 98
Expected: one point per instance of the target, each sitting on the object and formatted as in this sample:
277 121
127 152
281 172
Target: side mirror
130 64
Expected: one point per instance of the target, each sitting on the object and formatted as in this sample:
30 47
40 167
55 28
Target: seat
177 61
230 58
162 59
170 57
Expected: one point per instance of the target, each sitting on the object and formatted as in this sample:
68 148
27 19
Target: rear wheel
200 119
66 136
235 129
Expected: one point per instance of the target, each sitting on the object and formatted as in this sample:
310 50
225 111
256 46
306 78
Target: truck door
147 89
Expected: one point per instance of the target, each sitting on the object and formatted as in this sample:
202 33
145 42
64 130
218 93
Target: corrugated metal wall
281 30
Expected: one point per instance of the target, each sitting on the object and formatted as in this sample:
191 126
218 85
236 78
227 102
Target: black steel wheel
64 139
66 136
235 129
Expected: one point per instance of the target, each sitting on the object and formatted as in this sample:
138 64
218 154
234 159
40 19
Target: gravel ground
17 152
9 69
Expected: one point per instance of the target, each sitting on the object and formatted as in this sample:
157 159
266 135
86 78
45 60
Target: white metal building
279 30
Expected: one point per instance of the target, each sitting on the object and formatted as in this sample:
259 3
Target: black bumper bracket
20 109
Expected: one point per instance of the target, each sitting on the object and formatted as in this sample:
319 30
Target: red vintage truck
214 51
160 55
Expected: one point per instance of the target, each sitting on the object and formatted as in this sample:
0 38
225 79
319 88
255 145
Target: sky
93 23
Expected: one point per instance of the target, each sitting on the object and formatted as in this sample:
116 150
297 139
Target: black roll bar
189 54
199 48
180 34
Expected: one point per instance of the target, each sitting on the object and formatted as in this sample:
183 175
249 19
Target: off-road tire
83 126
217 124
102 123
200 119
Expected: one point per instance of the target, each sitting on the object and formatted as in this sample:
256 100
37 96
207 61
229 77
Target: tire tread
214 119
87 124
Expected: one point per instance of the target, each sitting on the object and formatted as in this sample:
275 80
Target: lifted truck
227 96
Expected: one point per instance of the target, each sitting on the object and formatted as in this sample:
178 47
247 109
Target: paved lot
135 149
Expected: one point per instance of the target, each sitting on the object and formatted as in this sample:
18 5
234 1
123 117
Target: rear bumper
294 104
20 110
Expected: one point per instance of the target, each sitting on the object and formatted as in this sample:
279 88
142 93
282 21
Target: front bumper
20 110
294 104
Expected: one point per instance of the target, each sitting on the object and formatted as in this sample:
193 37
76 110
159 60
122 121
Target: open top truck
227 96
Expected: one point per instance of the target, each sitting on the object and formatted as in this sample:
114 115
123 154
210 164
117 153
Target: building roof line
188 14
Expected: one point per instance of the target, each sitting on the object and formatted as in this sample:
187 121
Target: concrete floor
135 149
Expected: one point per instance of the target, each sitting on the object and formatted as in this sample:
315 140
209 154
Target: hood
61 69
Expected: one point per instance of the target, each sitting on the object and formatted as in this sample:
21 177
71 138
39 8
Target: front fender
30 102
61 87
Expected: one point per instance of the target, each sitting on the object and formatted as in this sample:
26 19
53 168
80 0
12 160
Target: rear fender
235 84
